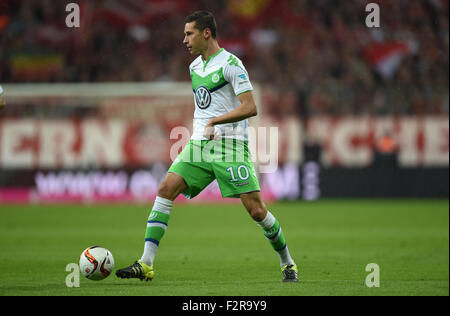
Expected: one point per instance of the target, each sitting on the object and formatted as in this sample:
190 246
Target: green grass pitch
218 250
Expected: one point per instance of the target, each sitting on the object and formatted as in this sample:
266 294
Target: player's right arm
246 110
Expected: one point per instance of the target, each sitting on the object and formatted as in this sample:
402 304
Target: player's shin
274 234
156 227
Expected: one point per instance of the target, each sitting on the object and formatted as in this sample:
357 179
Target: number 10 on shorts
242 173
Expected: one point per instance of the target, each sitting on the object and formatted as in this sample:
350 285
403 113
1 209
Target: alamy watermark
373 278
73 18
373 18
253 144
73 278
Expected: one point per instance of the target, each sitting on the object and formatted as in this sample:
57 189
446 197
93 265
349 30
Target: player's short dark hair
203 20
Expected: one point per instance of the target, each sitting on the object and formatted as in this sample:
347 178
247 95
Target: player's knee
165 190
258 212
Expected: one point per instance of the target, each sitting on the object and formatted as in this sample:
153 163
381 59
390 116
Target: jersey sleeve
236 74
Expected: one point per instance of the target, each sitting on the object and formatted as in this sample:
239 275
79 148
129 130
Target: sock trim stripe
152 240
167 212
162 226
159 222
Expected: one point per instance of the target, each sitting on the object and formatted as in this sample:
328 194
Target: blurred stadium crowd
312 56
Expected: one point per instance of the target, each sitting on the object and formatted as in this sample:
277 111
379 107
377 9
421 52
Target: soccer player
2 101
224 102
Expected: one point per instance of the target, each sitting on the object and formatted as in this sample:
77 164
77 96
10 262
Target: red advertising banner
119 143
352 141
115 142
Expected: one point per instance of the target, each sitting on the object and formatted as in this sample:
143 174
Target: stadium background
361 113
370 106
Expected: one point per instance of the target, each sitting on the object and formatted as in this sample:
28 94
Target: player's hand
210 132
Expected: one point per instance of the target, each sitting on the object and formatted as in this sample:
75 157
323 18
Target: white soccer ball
96 263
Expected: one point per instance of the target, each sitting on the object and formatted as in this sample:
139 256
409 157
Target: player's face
193 39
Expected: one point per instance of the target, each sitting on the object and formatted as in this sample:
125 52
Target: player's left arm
245 110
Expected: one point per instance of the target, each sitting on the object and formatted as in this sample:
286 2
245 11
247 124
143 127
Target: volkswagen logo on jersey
202 97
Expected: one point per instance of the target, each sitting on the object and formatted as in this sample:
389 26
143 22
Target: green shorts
228 161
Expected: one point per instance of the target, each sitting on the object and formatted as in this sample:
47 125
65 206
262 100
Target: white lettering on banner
56 144
409 137
349 142
53 144
103 142
436 142
29 143
18 143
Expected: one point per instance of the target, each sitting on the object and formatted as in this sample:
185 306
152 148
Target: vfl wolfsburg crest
202 97
152 216
215 78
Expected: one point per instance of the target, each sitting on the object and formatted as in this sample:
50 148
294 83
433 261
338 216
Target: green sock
274 234
156 227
